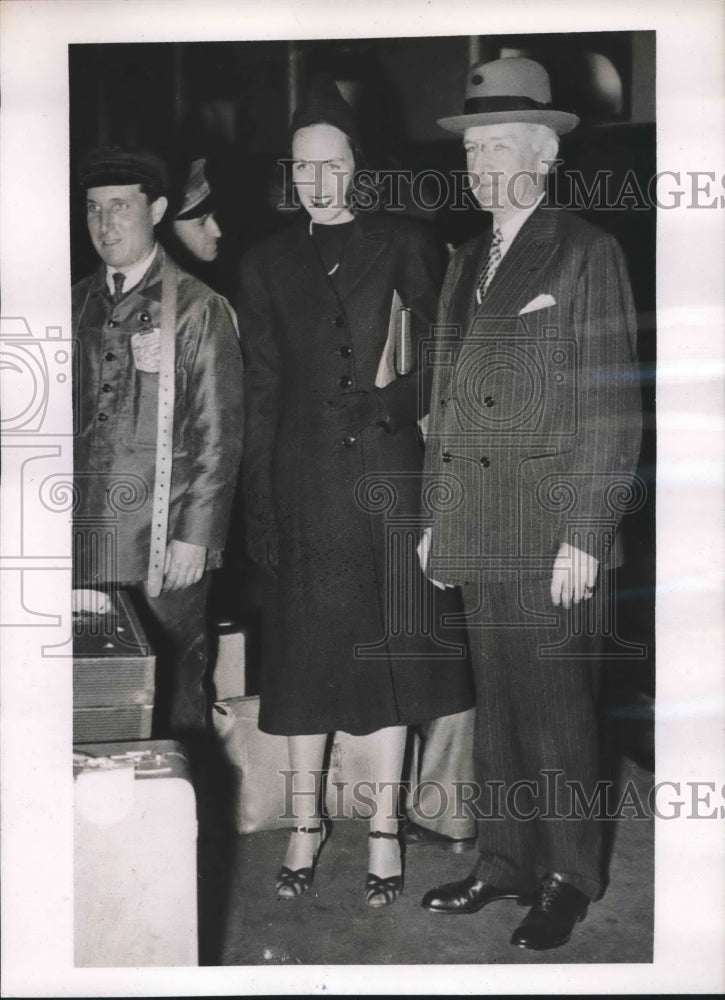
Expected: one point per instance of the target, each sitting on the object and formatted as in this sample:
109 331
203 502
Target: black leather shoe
469 896
557 909
413 834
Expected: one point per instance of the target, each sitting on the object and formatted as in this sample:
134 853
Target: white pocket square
540 302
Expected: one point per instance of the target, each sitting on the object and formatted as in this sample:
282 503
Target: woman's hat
322 103
509 90
197 200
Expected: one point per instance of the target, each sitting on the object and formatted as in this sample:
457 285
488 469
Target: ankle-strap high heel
383 891
292 883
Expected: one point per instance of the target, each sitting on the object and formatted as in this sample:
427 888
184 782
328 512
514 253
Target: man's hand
574 576
184 565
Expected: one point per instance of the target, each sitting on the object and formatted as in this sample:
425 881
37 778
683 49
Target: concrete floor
243 924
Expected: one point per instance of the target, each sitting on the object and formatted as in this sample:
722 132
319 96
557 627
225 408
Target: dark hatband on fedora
509 90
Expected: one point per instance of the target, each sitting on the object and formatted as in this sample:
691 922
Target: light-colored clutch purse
396 358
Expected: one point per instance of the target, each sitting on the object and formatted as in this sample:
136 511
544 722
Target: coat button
110 356
345 351
144 317
348 441
447 456
485 462
339 320
113 323
489 400
102 417
106 387
345 382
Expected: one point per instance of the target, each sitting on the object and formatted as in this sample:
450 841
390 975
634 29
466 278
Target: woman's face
199 236
322 169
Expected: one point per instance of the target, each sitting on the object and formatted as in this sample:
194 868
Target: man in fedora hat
534 437
158 406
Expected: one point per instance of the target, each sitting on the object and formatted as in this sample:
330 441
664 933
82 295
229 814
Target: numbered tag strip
164 431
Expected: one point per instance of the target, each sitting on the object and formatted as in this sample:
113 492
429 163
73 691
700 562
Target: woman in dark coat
332 470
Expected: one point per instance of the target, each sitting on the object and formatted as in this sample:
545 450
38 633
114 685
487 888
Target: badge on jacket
146 349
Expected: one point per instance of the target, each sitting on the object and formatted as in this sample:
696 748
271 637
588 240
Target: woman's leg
306 756
385 750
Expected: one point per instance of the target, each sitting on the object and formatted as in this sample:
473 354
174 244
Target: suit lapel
464 303
516 275
458 302
511 286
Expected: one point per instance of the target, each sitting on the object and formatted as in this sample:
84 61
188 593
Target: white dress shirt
511 226
132 274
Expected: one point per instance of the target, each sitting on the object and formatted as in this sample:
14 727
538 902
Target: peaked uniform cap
197 199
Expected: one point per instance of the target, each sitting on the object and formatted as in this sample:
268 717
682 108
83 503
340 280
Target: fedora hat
509 90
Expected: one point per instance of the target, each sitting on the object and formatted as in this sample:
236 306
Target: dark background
231 102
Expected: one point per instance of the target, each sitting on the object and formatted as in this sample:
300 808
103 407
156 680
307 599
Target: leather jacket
115 402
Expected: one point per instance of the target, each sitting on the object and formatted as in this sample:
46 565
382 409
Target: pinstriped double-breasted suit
534 438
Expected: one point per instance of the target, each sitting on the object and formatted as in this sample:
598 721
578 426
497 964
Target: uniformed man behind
159 426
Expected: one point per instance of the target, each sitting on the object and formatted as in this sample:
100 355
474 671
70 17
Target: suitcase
262 795
113 671
134 851
258 760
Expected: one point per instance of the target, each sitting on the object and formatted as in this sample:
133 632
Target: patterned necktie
118 280
489 268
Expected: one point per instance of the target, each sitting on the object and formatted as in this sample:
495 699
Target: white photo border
36 690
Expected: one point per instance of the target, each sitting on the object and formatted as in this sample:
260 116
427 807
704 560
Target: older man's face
505 161
121 222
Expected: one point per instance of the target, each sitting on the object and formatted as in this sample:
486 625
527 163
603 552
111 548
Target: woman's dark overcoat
353 639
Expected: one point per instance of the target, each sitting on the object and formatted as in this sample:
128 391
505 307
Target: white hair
541 134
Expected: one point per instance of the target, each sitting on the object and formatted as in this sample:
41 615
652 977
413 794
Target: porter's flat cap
112 165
